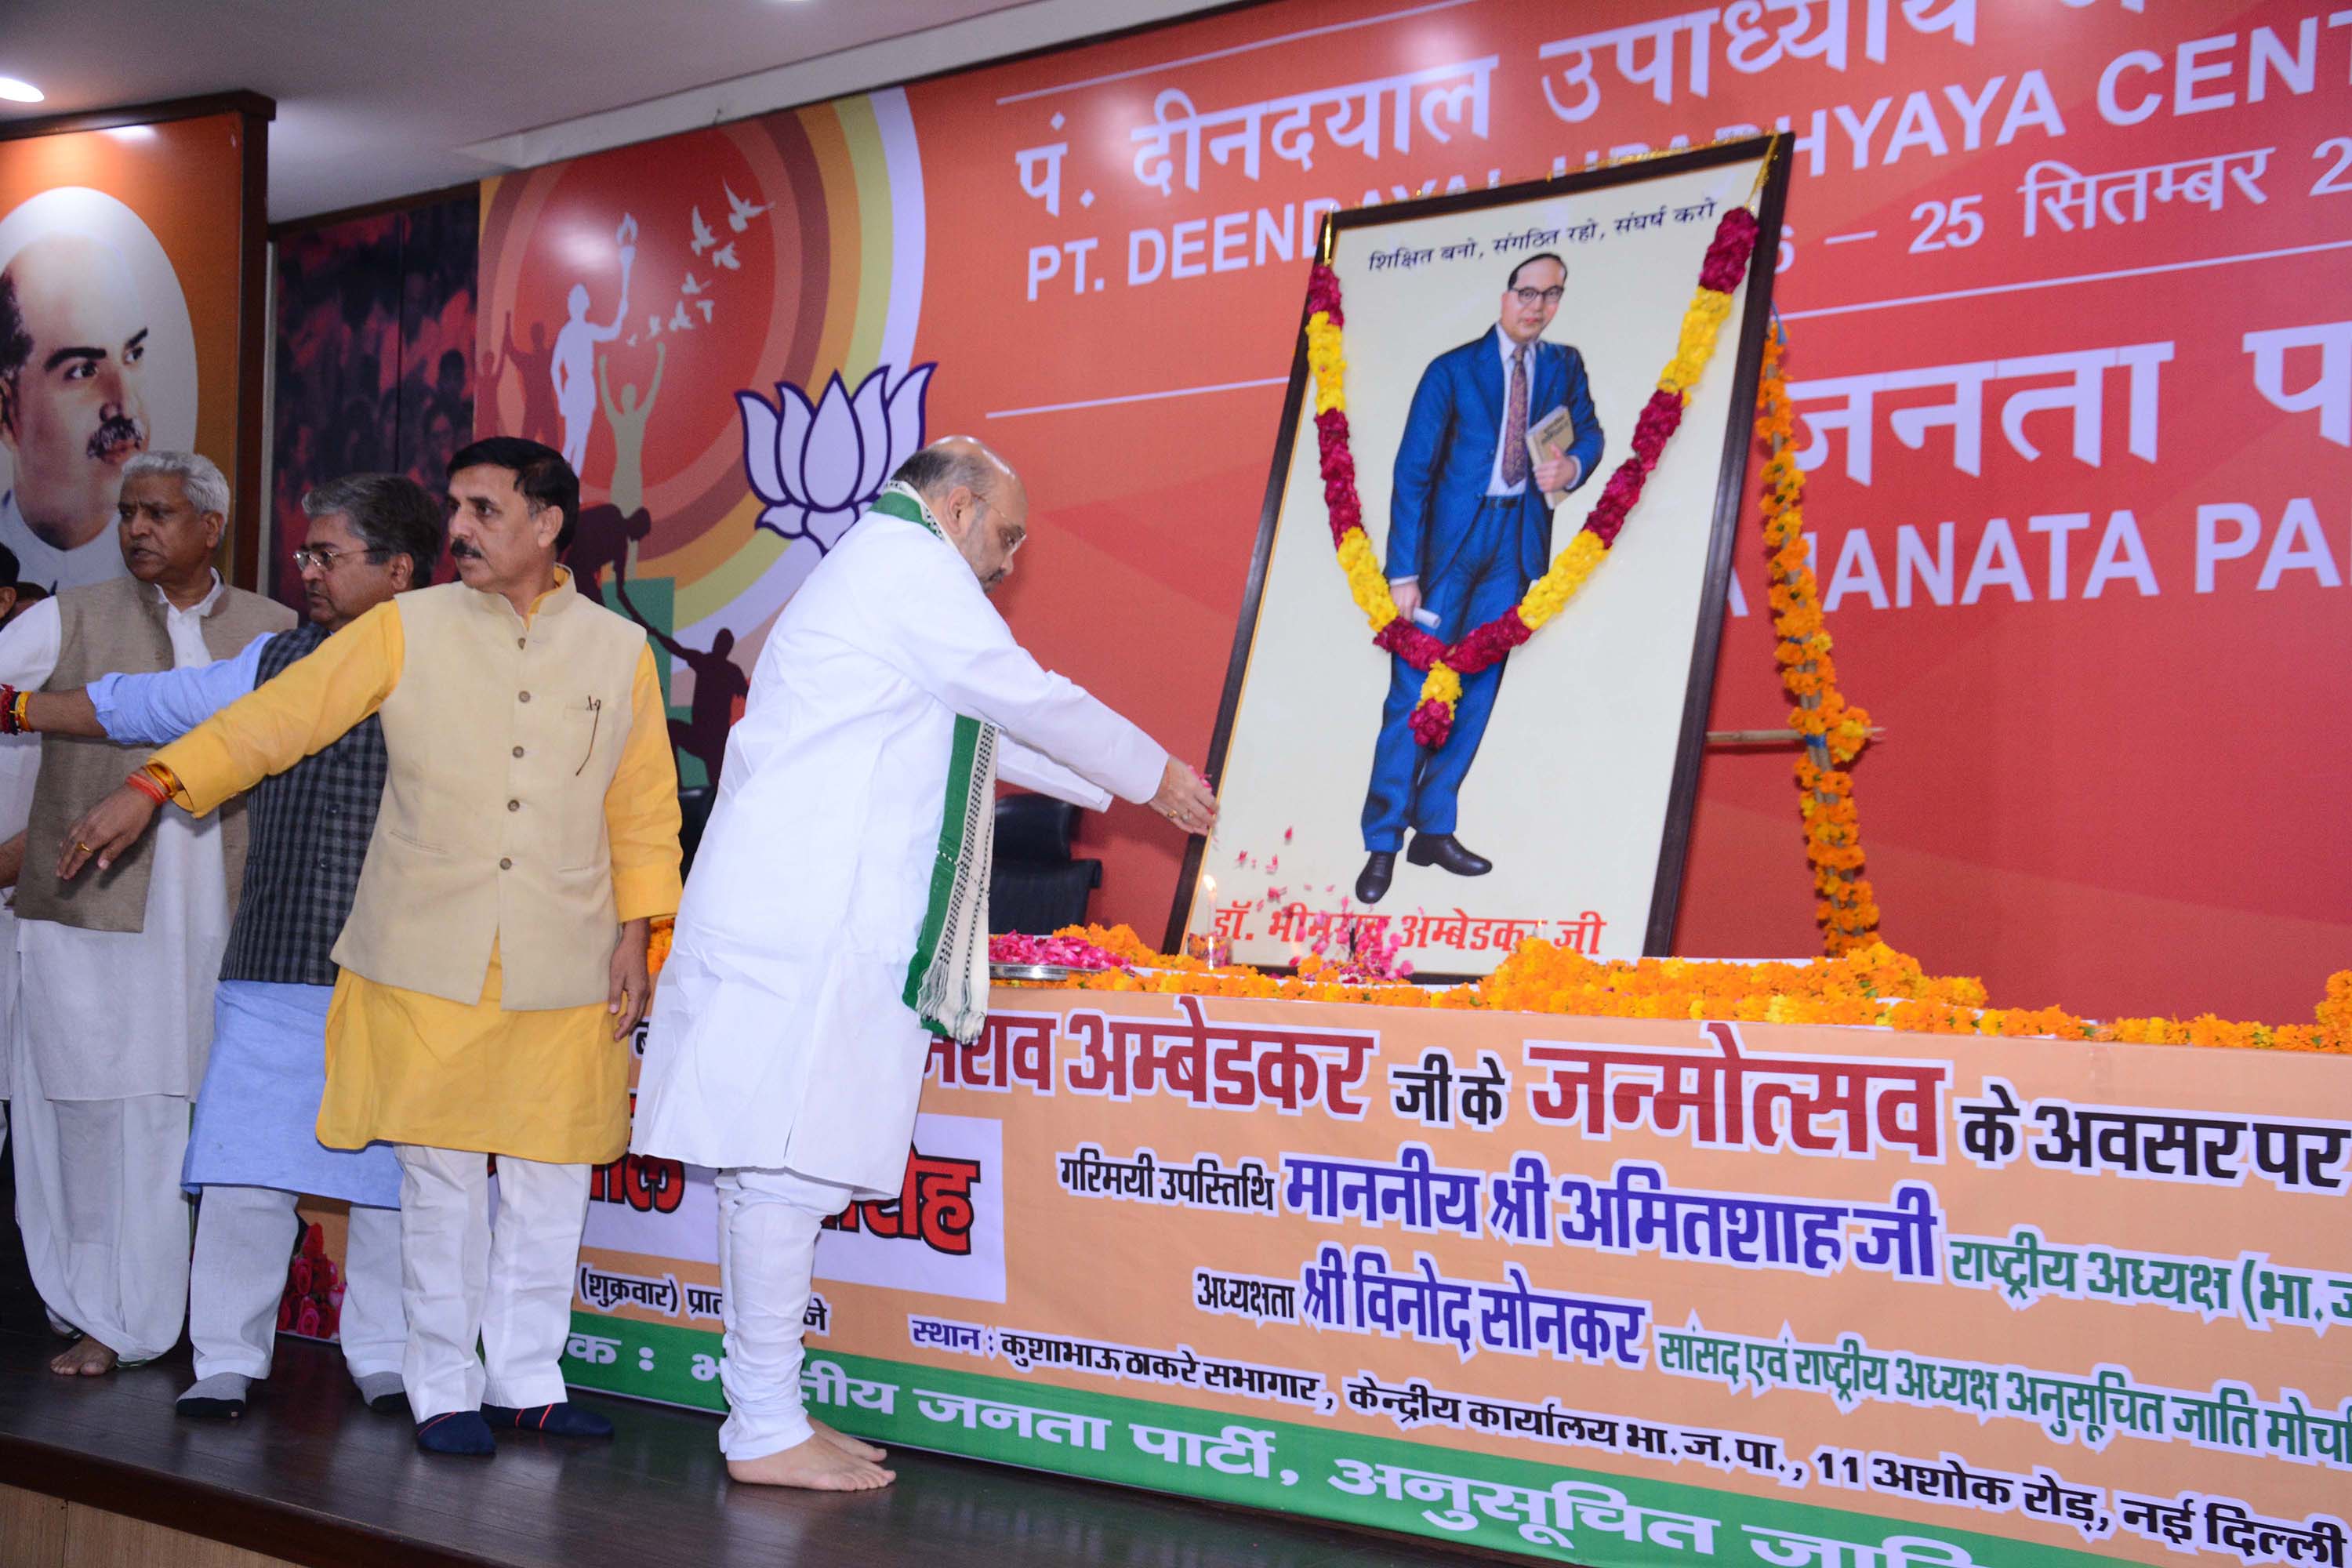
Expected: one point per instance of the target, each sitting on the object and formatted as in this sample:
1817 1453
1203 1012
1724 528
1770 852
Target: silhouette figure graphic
720 688
573 374
628 422
606 537
535 365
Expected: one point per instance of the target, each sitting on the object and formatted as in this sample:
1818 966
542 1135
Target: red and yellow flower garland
1444 666
1834 731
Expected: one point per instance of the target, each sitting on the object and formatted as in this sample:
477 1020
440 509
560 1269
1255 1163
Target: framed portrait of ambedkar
1470 684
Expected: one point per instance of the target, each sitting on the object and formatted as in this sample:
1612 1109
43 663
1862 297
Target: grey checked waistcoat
311 827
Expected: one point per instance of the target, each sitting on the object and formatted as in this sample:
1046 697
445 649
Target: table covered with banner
1604 1290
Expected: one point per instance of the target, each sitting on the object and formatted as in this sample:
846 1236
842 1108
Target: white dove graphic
691 285
681 321
742 212
703 238
725 257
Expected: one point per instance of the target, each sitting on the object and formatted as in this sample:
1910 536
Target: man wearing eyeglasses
253 1147
1469 528
493 966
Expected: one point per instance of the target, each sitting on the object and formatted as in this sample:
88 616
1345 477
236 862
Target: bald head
952 461
980 503
73 349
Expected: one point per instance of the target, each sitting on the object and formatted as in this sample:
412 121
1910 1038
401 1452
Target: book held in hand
1550 437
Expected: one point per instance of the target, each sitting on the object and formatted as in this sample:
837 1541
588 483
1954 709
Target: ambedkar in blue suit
1468 530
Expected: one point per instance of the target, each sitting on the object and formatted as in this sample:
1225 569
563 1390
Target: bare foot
814 1466
855 1447
83 1358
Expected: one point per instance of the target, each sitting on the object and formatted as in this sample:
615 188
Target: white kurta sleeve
939 629
29 646
1032 769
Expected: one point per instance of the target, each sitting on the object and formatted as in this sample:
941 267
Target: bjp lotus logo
818 466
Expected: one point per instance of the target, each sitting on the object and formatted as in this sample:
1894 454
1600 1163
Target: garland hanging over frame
1834 730
1443 665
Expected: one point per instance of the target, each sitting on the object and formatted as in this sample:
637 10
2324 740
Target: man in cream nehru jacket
494 965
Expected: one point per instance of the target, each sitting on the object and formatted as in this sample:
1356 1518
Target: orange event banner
1619 1292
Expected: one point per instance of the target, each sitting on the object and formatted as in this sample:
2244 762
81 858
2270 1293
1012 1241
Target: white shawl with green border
947 982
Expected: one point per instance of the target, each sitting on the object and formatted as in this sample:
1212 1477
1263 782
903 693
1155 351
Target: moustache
464 550
115 431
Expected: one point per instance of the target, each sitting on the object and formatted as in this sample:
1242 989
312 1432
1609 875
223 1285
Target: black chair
694 815
1034 886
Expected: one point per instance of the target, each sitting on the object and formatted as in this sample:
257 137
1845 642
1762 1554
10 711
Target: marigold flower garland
1834 730
1868 984
1443 666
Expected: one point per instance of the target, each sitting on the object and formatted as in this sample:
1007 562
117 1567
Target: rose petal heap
1069 952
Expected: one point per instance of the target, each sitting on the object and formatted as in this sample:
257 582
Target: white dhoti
244 1237
99 1201
111 1032
108 1044
767 1225
451 1252
252 1148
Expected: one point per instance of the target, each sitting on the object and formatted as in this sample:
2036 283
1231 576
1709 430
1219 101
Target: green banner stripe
680 1366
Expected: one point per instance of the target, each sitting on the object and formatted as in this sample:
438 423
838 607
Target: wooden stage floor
312 1476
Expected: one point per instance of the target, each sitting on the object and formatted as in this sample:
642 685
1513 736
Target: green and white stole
947 983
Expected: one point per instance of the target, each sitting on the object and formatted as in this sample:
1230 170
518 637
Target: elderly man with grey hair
254 1147
838 914
114 1016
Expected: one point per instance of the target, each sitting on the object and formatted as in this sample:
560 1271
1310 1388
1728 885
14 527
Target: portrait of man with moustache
74 337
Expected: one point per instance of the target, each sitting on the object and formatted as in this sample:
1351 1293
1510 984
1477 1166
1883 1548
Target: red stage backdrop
2065 286
376 355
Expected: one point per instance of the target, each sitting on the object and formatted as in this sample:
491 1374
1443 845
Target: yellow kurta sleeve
641 816
305 709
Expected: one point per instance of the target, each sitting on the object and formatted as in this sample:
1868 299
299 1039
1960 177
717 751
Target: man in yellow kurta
494 965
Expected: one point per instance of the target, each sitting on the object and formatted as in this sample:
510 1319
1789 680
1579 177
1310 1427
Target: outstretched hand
1185 798
106 831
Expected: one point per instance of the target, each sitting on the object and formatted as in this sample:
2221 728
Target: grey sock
376 1385
220 1385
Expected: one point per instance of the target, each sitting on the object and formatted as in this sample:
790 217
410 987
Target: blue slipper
564 1420
459 1432
203 1409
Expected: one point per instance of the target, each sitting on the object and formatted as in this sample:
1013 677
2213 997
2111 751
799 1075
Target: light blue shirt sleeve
154 710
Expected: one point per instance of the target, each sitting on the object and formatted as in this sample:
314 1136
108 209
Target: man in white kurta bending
837 913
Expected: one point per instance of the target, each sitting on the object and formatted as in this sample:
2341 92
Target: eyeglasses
324 560
1534 296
